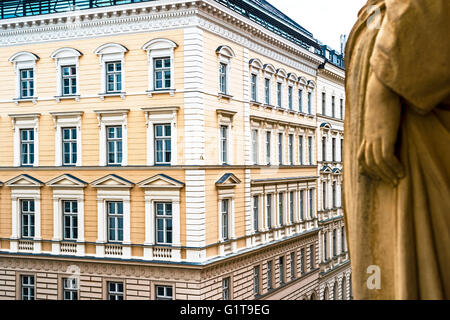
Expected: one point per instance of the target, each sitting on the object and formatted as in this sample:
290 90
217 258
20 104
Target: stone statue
397 150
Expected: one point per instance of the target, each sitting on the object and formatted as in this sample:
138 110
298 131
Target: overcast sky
325 19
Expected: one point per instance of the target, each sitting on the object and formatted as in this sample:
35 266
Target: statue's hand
381 123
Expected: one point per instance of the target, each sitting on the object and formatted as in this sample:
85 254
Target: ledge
150 93
31 99
73 97
226 96
112 94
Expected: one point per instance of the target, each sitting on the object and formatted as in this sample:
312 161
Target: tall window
290 98
70 289
164 293
27 287
268 147
267 91
342 146
324 103
27 147
302 260
163 144
333 106
27 210
292 264
161 74
269 275
70 220
324 195
311 257
113 76
115 290
280 148
310 155
26 83
325 246
334 194
256 280
69 80
224 144
281 266
223 86
309 102
334 243
225 216
226 288
254 88
114 144
164 223
291 149
269 210
69 146
291 206
302 205
300 100
115 221
255 212
324 149
342 239
279 94
255 146
311 204
333 149
281 208
342 109
300 149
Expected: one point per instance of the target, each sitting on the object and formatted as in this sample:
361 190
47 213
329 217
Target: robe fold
404 231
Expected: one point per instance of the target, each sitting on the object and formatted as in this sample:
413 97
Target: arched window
335 291
67 81
225 54
326 295
112 68
25 70
344 289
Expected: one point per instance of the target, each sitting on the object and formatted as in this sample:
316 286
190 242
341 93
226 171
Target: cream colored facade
273 212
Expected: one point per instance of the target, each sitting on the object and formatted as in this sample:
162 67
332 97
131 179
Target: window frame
117 141
116 216
164 69
165 217
72 289
116 293
29 80
164 138
71 142
165 295
30 287
31 214
28 143
73 224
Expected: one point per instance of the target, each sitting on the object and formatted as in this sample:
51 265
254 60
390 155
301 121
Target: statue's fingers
370 161
383 169
362 158
392 161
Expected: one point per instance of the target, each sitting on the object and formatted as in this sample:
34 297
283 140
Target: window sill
30 99
255 103
75 97
226 96
268 106
112 94
171 92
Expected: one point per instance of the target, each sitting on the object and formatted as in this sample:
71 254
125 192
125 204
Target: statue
397 150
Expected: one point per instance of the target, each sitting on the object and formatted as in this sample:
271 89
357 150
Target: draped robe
402 230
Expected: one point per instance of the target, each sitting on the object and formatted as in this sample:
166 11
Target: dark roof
224 178
170 178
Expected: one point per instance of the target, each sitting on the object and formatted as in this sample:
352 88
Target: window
163 144
324 106
281 266
290 98
311 204
27 210
280 148
291 206
334 243
70 220
279 94
113 77
163 223
268 147
162 73
225 219
309 102
324 149
69 80
255 146
302 261
334 195
226 288
342 239
27 147
324 195
310 155
164 293
267 91
115 290
254 87
114 145
300 100
69 146
27 287
300 149
342 109
255 212
325 247
333 107
311 257
26 83
224 144
302 205
269 275
342 146
281 208
269 210
292 265
291 149
223 77
70 289
256 280
333 147
115 221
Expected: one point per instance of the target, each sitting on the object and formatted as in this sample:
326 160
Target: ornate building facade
167 150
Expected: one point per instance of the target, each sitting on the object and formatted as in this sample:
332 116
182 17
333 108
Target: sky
325 19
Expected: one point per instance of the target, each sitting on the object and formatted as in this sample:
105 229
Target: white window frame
62 120
25 121
66 57
255 145
24 60
255 69
111 52
225 55
160 48
226 193
225 118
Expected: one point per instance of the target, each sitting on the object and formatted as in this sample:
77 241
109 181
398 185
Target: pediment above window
326 169
62 53
66 180
110 48
112 181
269 68
281 73
24 180
161 181
225 51
311 84
302 81
292 77
23 56
256 63
228 180
326 125
159 44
